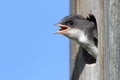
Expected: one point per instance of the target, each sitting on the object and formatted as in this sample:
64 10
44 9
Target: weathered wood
114 39
79 70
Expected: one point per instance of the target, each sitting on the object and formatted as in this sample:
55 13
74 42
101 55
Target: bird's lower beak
63 29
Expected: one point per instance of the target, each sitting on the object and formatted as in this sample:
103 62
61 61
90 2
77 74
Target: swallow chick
83 31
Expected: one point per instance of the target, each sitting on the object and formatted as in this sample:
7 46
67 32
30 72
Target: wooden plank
114 39
79 70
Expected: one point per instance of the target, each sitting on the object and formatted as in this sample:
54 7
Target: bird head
72 25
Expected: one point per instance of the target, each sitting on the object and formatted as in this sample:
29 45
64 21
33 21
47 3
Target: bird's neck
88 44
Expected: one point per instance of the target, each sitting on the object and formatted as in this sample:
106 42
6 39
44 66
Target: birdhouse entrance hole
87 57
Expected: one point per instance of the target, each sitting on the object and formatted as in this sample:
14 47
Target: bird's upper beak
63 29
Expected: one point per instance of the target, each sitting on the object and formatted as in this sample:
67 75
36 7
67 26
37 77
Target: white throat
83 40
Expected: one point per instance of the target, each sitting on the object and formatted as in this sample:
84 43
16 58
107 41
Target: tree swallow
80 29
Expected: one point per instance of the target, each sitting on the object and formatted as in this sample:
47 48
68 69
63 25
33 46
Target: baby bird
83 31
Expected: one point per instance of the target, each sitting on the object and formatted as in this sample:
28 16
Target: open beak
63 29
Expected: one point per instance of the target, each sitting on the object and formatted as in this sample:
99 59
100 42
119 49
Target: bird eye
70 23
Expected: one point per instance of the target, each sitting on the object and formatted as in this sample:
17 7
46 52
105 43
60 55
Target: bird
81 30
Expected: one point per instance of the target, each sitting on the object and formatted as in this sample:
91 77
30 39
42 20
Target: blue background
29 49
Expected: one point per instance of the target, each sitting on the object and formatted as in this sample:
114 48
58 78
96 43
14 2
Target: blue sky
29 49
